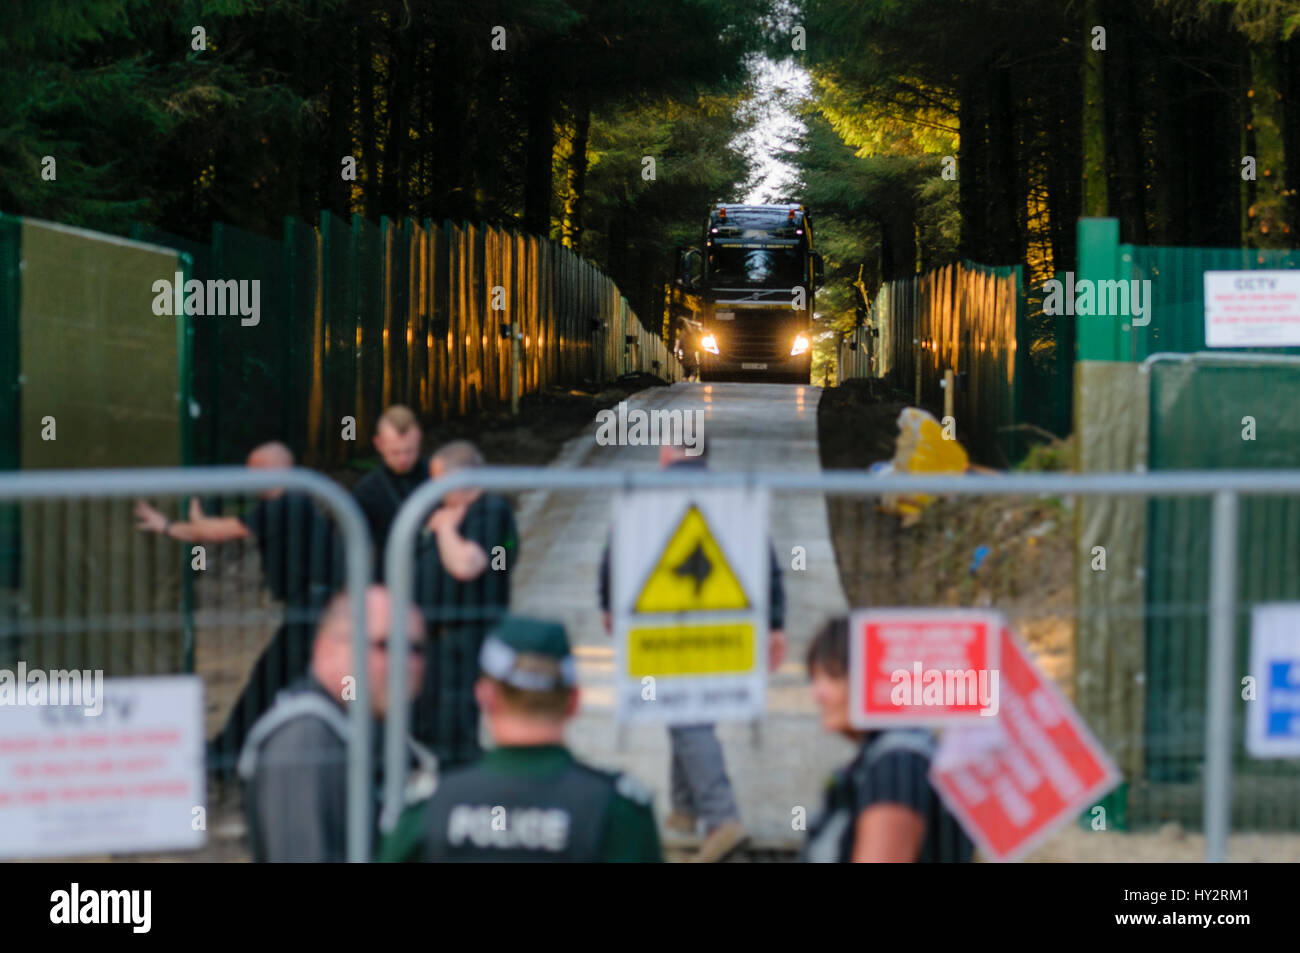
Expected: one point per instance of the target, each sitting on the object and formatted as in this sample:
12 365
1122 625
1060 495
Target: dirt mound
1013 554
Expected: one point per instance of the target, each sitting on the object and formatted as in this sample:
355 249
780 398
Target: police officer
881 807
529 799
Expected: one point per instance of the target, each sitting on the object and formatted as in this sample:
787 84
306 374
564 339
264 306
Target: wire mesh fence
162 588
1155 674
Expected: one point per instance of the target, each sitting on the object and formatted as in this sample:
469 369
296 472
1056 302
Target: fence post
1218 675
916 360
516 365
1098 335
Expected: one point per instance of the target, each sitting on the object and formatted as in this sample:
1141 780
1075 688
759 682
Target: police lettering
532 828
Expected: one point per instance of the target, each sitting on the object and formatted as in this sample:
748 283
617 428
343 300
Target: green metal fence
356 316
1150 395
967 318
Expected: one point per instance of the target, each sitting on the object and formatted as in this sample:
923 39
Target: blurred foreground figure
702 793
382 491
463 560
295 763
880 807
528 799
302 564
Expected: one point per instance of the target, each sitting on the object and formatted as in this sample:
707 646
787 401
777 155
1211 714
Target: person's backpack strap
917 741
285 710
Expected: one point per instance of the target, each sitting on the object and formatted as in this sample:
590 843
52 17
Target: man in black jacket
382 491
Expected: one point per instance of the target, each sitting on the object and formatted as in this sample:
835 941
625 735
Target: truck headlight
709 343
801 344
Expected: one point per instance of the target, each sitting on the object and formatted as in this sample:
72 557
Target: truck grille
756 337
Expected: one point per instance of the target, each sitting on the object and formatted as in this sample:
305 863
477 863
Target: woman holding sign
880 808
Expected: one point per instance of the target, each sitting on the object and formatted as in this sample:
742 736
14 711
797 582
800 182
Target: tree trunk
366 104
576 176
1095 198
396 146
1003 204
1267 215
1123 131
540 149
970 169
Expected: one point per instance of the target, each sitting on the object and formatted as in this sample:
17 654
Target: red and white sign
127 779
1016 779
922 666
1252 308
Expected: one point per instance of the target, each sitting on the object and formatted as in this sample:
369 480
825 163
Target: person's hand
196 510
446 517
149 519
775 649
607 622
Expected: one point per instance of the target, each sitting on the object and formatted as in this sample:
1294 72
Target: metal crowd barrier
76 485
1223 488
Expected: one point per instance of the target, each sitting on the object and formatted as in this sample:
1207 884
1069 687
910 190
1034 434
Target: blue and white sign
1273 718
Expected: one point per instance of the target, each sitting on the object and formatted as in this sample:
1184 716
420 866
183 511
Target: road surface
778 765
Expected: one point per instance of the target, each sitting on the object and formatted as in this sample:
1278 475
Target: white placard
1252 308
689 593
1273 717
128 779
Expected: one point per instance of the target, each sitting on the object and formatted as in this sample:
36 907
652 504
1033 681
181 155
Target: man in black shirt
881 807
463 561
382 491
302 561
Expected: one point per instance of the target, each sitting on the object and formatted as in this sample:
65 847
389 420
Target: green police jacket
528 804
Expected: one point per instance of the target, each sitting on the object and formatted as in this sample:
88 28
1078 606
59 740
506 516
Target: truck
741 305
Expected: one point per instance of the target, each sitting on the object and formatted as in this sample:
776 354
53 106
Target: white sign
1273 717
1252 308
689 580
127 779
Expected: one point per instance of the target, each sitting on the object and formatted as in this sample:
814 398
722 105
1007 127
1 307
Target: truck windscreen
772 267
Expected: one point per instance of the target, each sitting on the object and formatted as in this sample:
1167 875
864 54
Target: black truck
742 306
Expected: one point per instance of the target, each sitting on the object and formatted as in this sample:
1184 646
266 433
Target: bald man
302 564
294 762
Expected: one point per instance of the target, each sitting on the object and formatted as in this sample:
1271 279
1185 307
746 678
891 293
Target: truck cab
744 302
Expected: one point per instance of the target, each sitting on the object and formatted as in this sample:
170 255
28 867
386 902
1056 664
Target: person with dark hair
880 807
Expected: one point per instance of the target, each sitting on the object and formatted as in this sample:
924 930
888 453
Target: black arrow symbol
696 566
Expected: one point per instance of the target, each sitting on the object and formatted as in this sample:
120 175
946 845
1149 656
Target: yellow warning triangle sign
693 574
